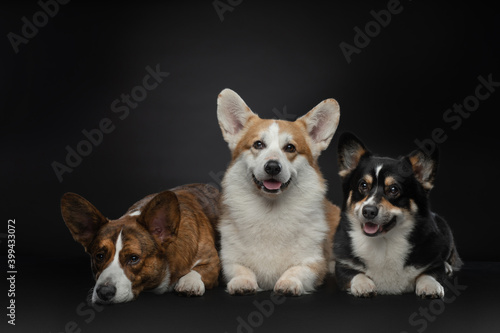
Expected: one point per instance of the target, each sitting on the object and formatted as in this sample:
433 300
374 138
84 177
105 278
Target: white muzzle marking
114 275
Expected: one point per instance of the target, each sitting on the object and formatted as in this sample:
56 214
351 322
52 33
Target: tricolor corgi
276 224
388 240
165 241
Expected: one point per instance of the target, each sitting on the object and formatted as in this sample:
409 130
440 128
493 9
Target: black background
283 59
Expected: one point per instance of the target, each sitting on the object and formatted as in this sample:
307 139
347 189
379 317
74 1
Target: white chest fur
271 235
385 257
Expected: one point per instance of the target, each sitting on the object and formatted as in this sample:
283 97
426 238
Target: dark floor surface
51 297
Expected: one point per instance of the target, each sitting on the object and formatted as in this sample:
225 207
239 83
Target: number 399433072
11 244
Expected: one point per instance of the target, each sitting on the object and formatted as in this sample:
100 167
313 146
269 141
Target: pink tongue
370 228
272 184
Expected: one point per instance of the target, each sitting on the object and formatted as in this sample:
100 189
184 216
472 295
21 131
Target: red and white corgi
276 224
165 241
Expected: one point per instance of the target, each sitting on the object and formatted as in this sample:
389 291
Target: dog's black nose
105 292
370 212
272 168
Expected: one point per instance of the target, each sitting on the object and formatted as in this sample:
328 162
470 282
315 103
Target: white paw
428 287
448 269
242 285
289 286
190 284
362 286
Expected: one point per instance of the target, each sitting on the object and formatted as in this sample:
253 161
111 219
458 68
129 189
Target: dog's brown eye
134 259
99 257
393 190
289 148
363 187
258 145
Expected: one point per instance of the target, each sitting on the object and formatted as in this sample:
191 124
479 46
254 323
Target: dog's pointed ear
321 123
233 114
81 217
424 167
350 151
161 217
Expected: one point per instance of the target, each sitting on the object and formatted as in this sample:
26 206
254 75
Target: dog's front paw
362 286
428 287
448 269
242 285
289 286
190 285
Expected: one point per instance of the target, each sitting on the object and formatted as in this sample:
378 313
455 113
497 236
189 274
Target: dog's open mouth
270 185
373 229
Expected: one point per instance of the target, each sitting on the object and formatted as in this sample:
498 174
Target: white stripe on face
114 275
272 139
377 170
